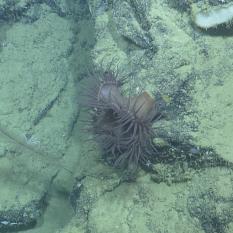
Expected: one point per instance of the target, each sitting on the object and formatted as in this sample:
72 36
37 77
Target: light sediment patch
214 17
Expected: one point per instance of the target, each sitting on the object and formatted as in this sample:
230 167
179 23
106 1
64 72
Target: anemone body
121 125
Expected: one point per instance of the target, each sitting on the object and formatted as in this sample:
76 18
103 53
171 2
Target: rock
35 105
207 201
107 206
24 218
129 27
23 193
29 11
97 7
37 114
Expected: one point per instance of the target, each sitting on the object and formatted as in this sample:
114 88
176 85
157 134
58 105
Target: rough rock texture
29 11
37 110
209 203
191 70
40 88
53 178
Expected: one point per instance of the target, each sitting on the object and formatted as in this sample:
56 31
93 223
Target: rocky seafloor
52 178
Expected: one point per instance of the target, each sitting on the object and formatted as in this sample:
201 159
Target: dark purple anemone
121 125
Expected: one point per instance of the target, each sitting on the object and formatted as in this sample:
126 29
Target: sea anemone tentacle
121 125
